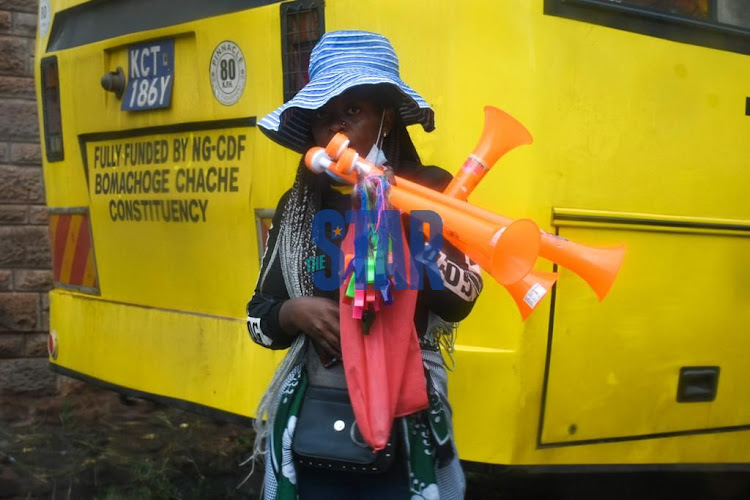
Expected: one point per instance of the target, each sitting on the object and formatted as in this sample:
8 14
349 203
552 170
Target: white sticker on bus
228 73
45 16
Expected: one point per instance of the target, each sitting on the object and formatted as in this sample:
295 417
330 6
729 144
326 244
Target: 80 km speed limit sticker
228 73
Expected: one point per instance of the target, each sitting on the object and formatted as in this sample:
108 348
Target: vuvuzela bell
501 133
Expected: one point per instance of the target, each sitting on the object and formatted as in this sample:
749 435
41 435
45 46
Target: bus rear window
302 25
697 9
731 12
734 12
719 24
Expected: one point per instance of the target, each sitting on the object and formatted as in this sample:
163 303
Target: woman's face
354 114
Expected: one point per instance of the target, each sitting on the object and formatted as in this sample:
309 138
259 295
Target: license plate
150 76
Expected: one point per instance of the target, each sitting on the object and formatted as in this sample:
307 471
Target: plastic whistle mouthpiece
317 160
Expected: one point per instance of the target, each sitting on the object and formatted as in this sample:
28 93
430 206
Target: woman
355 89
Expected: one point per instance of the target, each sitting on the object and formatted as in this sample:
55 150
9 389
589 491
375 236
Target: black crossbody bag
326 435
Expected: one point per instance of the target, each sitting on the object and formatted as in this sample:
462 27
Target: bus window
696 9
302 25
719 24
734 12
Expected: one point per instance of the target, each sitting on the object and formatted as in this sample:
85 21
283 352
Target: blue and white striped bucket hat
342 60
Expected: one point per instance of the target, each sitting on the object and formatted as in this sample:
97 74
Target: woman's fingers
327 347
330 327
317 317
389 175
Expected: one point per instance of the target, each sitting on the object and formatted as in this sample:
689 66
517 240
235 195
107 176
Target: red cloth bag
384 371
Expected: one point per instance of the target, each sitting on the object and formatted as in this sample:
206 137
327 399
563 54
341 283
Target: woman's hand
390 176
317 317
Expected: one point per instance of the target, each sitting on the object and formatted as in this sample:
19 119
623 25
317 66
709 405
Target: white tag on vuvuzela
534 295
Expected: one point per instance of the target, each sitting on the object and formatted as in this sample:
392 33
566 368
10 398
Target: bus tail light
51 109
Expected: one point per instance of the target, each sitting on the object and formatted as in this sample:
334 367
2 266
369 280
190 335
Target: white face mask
376 155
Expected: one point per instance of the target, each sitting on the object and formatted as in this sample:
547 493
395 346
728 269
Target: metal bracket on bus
114 81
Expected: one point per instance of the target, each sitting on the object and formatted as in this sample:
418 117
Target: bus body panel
637 140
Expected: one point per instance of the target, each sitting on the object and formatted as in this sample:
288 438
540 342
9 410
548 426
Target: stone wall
25 269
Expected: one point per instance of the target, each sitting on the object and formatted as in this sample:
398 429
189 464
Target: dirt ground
90 443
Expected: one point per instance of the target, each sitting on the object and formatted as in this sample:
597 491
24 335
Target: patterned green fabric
283 431
438 420
421 432
420 449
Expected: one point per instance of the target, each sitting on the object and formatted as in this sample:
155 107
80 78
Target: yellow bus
160 189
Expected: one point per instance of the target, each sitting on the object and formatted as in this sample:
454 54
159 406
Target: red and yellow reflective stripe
72 250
